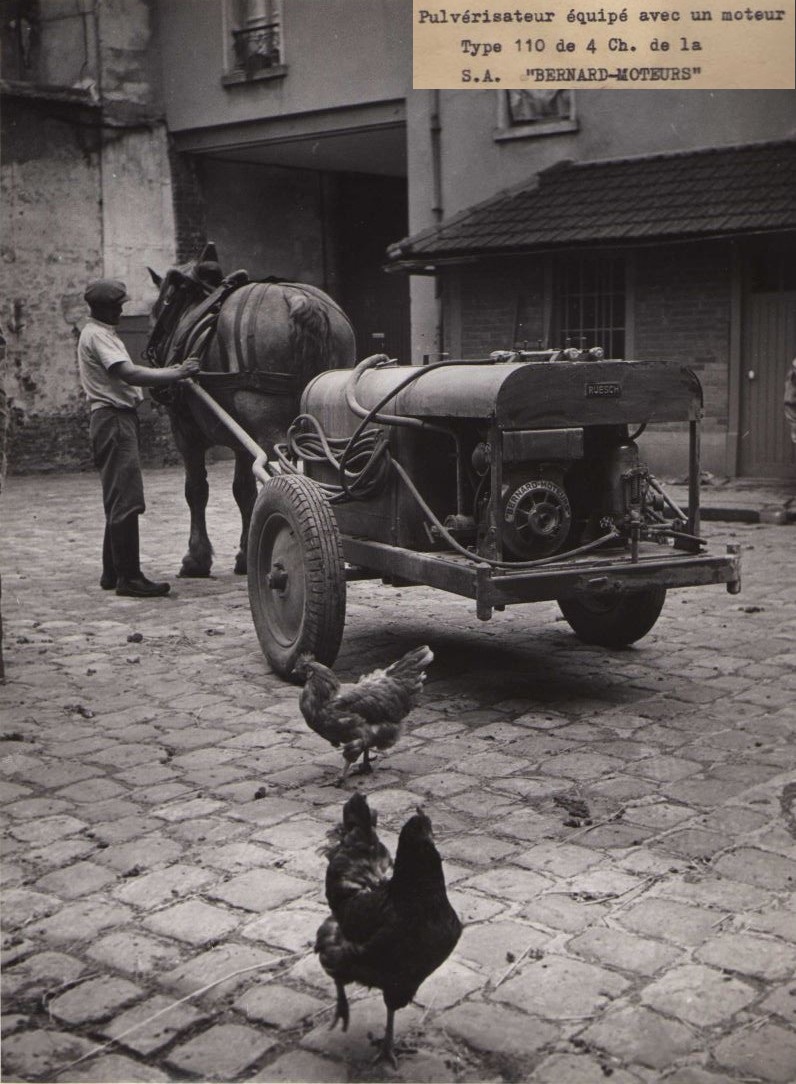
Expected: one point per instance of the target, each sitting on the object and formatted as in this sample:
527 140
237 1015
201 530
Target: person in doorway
113 383
790 399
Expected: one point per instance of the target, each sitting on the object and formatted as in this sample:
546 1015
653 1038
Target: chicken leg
387 1052
364 768
341 1008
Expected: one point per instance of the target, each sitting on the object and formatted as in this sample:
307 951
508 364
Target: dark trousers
114 443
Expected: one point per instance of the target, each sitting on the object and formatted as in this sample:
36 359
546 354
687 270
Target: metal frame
493 589
645 565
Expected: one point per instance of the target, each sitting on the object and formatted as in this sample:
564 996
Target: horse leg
199 558
244 489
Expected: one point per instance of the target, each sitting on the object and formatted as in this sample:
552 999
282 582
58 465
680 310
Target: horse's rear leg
244 489
199 558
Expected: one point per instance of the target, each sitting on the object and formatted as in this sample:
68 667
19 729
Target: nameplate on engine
604 390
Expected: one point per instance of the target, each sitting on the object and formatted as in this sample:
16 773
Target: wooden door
768 346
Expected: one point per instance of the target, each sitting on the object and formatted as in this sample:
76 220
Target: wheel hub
278 577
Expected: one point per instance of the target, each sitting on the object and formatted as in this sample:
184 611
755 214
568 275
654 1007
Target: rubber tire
615 622
293 523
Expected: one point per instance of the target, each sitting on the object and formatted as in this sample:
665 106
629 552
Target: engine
511 459
549 506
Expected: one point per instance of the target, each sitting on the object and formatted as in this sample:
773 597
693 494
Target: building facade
278 131
658 225
86 192
288 133
294 118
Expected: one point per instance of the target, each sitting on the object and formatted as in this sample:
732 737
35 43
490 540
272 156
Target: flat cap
106 292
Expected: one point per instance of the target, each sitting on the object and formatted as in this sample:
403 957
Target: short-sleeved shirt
99 348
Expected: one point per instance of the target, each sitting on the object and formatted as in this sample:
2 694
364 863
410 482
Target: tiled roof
703 193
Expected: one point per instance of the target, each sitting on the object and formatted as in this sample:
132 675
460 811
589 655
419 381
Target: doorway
372 213
768 345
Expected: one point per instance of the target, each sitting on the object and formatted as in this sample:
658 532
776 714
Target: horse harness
195 338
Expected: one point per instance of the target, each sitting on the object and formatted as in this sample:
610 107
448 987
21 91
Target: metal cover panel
521 445
564 394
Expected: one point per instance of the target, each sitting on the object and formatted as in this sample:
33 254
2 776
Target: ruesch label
603 390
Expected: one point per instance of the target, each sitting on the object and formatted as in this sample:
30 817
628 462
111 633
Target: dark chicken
385 931
367 714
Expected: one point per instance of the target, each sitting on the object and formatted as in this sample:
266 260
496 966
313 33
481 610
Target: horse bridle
172 301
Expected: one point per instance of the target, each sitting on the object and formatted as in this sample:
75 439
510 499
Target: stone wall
86 193
52 243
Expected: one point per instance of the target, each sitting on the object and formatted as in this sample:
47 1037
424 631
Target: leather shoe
141 587
108 581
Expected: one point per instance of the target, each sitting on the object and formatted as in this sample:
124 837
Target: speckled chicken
390 927
364 715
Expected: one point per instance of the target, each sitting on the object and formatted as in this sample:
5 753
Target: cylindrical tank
524 395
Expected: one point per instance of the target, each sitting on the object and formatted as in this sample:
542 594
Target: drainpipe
435 136
93 14
435 132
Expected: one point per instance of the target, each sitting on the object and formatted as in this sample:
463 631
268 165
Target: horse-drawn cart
513 479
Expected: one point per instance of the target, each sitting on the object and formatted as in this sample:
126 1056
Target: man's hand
150 376
189 367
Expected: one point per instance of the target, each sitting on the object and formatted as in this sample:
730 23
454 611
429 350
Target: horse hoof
240 567
193 573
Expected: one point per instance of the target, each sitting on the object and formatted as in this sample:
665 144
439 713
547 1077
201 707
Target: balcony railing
257 48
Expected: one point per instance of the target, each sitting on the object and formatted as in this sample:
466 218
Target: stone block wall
86 193
51 246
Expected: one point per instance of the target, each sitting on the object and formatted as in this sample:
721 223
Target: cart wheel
613 622
296 573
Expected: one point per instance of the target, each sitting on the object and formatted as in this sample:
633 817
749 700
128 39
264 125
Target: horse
259 344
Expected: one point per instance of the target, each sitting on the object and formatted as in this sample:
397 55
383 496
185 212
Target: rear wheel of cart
297 586
613 622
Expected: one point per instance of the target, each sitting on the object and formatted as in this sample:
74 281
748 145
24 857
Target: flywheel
536 519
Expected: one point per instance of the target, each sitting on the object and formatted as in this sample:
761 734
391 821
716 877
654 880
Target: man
112 383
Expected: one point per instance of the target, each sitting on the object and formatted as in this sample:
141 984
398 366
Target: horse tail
310 334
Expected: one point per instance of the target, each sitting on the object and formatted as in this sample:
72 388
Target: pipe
260 465
437 209
435 133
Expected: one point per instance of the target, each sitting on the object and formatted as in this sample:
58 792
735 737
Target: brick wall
189 206
45 442
682 313
681 308
499 309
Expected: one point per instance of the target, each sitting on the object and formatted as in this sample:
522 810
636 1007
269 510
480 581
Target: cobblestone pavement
164 804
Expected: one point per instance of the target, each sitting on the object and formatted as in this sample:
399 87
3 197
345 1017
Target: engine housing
515 460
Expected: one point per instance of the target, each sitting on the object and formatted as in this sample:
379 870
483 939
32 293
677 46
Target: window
523 113
589 303
256 40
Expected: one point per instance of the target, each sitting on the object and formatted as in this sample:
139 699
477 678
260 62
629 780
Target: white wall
338 53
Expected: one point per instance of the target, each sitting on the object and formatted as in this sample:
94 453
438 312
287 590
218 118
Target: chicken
365 715
390 928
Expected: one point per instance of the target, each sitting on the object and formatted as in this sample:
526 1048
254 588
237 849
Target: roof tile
693 193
